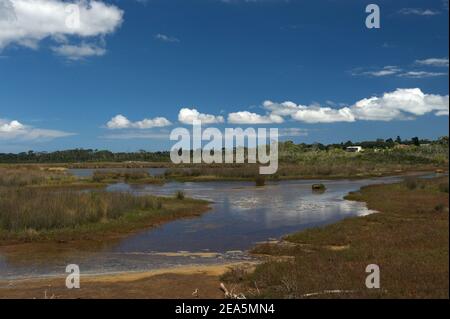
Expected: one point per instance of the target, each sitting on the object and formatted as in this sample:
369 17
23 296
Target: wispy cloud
285 132
293 131
385 71
15 130
79 52
166 38
421 74
253 1
388 45
437 62
136 135
419 12
143 2
410 71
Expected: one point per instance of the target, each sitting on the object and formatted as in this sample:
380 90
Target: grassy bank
39 214
301 162
130 177
43 177
291 172
90 165
59 177
408 239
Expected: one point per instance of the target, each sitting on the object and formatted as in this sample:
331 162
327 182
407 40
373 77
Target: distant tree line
89 155
83 155
379 143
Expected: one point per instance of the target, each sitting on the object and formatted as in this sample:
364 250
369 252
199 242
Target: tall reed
38 209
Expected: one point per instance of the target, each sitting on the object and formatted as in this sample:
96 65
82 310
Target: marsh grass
28 176
333 163
34 208
34 214
39 202
225 171
43 177
126 176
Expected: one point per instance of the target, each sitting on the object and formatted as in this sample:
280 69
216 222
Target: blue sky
231 63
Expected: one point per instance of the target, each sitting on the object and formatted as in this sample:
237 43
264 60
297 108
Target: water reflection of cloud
275 205
279 207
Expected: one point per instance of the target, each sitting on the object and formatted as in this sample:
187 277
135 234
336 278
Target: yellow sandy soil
172 283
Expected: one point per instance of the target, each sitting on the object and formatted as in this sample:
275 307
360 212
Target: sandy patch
172 283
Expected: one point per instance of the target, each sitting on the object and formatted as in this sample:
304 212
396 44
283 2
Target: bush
136 175
443 187
318 187
179 195
260 180
411 183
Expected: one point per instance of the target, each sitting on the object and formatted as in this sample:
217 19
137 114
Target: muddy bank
174 283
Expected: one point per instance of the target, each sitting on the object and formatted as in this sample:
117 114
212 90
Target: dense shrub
411 183
443 187
260 180
179 195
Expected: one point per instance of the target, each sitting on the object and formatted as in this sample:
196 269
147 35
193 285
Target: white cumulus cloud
282 109
246 117
397 105
14 130
311 113
400 103
28 22
187 116
121 122
316 114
